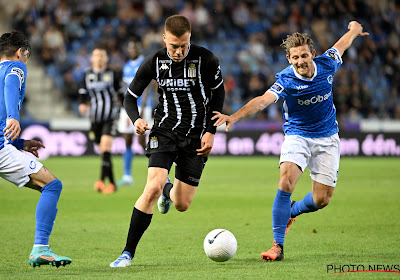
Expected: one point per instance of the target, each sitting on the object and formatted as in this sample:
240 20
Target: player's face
302 60
177 47
133 50
99 59
23 56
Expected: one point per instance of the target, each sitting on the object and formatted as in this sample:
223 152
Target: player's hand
207 142
221 119
12 129
141 126
83 109
32 146
354 25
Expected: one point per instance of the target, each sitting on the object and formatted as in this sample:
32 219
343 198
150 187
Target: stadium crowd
245 35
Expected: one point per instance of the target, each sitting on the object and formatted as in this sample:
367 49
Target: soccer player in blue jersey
16 166
125 125
311 130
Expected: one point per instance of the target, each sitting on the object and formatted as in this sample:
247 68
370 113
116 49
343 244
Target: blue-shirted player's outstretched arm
355 30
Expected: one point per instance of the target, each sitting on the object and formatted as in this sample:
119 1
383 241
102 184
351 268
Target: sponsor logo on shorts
153 142
32 165
193 179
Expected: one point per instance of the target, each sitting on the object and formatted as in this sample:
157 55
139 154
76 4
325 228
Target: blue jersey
12 92
129 72
308 108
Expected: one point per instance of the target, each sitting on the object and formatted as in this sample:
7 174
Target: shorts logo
153 143
193 179
32 165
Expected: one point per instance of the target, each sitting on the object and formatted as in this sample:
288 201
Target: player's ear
19 53
313 53
288 58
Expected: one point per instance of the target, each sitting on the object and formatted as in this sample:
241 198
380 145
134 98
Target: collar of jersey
182 58
304 78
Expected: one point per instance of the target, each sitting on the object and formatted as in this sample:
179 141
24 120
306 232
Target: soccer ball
220 245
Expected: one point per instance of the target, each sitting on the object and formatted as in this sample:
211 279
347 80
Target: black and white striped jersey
101 90
189 90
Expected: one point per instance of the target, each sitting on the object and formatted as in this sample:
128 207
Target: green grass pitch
360 226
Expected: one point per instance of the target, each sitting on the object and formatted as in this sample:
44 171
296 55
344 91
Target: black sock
106 167
167 190
140 221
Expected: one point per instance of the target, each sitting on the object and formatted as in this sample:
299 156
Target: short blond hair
296 40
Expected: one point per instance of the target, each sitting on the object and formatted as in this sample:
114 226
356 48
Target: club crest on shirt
107 77
153 142
192 70
330 79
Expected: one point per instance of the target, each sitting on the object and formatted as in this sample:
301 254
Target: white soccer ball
220 245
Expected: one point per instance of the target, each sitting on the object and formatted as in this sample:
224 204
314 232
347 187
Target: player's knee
322 202
286 184
152 191
182 206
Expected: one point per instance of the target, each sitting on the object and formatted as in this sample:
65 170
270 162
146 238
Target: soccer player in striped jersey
16 166
311 129
190 86
99 92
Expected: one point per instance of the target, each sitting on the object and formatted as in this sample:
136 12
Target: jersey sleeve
213 73
14 87
278 88
143 77
217 98
119 85
332 58
82 91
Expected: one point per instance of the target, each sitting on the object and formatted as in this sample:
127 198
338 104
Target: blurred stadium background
245 36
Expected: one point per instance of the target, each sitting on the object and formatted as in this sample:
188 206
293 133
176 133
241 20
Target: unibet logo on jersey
314 99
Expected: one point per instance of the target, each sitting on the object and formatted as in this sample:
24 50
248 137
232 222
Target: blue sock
306 205
128 157
280 215
46 211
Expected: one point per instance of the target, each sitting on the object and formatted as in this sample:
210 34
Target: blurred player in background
191 87
311 129
100 91
125 125
16 166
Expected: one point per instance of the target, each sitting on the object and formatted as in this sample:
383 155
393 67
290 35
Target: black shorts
165 148
102 128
